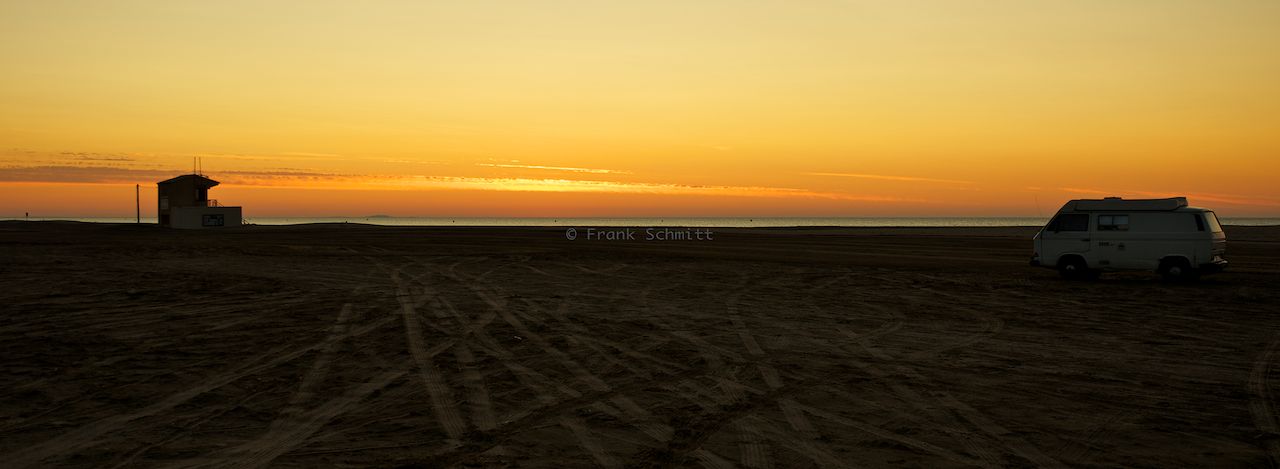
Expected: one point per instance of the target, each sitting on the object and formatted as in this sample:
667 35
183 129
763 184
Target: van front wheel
1074 268
1177 270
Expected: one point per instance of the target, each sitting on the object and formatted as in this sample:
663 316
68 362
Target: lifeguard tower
184 203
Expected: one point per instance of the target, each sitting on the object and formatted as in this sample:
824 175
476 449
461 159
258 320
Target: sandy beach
333 345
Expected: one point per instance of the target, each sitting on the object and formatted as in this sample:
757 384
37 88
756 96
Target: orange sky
658 108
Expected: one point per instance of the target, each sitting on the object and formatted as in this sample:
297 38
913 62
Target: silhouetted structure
184 203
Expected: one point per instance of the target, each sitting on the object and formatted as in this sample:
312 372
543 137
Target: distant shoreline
723 223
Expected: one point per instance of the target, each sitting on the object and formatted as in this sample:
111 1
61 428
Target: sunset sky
640 108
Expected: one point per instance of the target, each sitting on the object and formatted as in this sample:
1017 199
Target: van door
1112 232
1067 233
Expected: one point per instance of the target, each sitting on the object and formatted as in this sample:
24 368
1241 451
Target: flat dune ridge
327 345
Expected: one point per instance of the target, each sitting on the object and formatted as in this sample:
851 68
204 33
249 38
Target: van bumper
1218 264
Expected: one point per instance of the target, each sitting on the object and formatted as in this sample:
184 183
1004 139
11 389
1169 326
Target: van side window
1214 225
1113 223
1199 221
1070 222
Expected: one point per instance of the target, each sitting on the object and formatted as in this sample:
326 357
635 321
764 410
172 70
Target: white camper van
1087 237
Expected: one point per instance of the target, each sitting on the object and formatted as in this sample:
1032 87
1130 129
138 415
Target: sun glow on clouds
581 185
513 184
335 181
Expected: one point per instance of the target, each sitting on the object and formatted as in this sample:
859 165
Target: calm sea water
707 222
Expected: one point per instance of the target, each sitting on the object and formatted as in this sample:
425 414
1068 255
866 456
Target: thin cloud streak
884 177
303 153
1077 190
555 168
82 174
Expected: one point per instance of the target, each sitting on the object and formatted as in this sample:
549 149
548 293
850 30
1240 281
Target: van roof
1116 203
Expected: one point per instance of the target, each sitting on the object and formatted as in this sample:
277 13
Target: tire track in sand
291 427
712 460
87 435
640 418
280 440
1015 444
537 382
967 439
753 448
895 321
1081 452
887 435
481 405
643 419
594 341
482 414
318 369
534 380
993 326
294 427
541 386
438 391
790 409
187 428
714 356
752 445
1262 404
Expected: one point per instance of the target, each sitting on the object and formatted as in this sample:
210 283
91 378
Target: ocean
722 222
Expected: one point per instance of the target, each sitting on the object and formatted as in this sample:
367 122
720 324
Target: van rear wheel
1178 270
1074 268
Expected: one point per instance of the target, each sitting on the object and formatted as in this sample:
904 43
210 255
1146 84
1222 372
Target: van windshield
1069 222
1214 226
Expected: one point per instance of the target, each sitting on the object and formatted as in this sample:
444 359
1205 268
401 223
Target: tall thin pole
137 201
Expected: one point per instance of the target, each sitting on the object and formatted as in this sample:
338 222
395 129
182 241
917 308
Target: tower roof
199 180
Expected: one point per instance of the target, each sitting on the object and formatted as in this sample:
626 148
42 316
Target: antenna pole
137 201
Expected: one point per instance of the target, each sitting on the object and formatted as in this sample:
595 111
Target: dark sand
355 345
